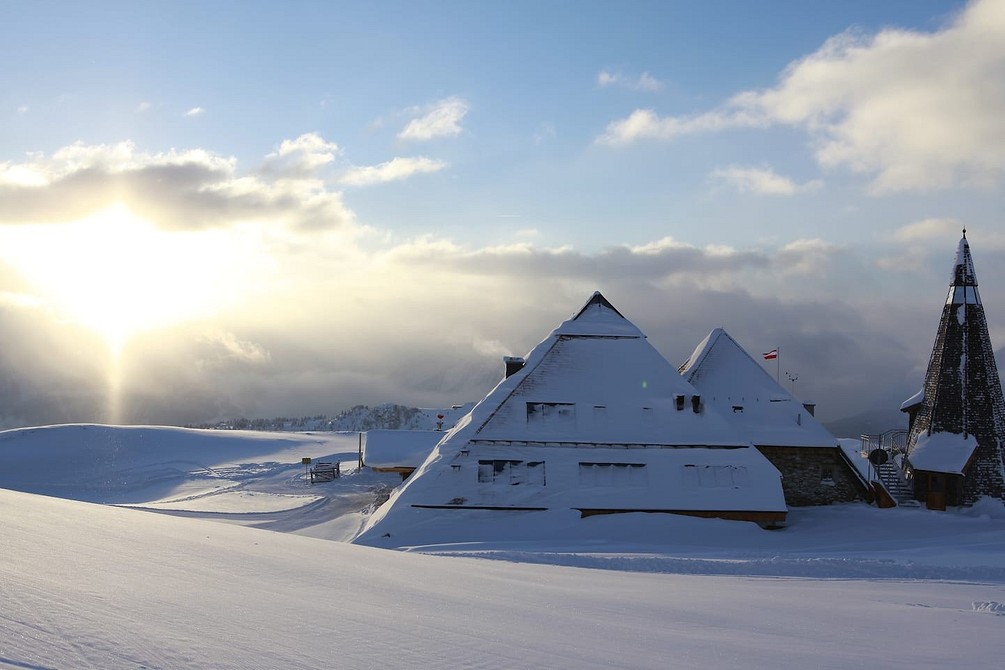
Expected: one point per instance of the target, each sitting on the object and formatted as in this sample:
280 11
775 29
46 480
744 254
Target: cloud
176 190
321 313
442 119
644 82
393 170
305 154
918 243
909 110
928 229
807 256
144 107
233 348
545 131
660 262
194 112
645 124
762 181
333 322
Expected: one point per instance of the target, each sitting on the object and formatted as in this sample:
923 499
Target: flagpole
778 365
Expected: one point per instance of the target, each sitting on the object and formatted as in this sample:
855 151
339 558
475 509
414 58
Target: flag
770 355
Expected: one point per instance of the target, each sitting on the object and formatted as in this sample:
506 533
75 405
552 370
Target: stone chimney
513 364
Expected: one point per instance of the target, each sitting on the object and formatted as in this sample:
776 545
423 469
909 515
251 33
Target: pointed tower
957 430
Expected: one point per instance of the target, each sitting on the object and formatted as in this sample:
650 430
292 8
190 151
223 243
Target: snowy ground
111 586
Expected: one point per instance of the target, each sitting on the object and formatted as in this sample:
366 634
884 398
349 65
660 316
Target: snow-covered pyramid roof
755 403
595 421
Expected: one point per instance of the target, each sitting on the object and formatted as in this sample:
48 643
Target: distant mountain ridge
388 416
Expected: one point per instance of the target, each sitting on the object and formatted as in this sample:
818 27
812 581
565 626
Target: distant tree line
359 418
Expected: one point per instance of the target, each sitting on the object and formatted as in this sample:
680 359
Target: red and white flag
770 355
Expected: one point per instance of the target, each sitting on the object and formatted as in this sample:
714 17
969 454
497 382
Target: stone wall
814 475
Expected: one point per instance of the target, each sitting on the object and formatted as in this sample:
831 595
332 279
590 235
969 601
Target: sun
120 275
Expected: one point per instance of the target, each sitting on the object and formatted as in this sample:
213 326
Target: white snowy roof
915 399
942 452
596 379
398 448
596 419
758 407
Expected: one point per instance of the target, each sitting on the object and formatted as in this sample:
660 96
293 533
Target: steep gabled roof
596 419
758 407
623 389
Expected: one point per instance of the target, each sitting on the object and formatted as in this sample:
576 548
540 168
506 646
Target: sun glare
120 275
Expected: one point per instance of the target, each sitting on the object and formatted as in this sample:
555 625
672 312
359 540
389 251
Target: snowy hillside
87 585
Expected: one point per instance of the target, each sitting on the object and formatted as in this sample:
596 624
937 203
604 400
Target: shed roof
943 452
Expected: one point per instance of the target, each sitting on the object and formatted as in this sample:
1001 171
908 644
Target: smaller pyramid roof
757 406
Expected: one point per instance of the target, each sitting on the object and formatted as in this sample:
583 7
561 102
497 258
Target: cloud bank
320 312
909 110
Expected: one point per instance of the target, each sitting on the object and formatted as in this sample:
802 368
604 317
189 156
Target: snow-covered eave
796 444
913 401
782 429
946 453
590 444
398 449
772 513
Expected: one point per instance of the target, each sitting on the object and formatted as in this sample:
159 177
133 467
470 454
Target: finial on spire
964 232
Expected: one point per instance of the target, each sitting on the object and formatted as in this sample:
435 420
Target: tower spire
955 442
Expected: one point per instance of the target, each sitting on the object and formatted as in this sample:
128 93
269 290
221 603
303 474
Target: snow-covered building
594 420
815 470
957 420
400 451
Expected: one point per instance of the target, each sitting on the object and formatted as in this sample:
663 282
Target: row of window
512 473
564 413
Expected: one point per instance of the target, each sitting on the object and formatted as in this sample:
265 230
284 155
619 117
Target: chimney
513 364
810 407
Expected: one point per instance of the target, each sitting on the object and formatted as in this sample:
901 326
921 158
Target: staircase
894 443
898 487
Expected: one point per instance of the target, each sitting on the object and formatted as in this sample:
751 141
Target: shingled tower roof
960 425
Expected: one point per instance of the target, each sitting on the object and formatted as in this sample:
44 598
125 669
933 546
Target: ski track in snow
775 566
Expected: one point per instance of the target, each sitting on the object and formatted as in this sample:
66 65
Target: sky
211 210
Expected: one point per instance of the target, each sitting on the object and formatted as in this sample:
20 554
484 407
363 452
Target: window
613 474
511 473
600 416
551 413
714 476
